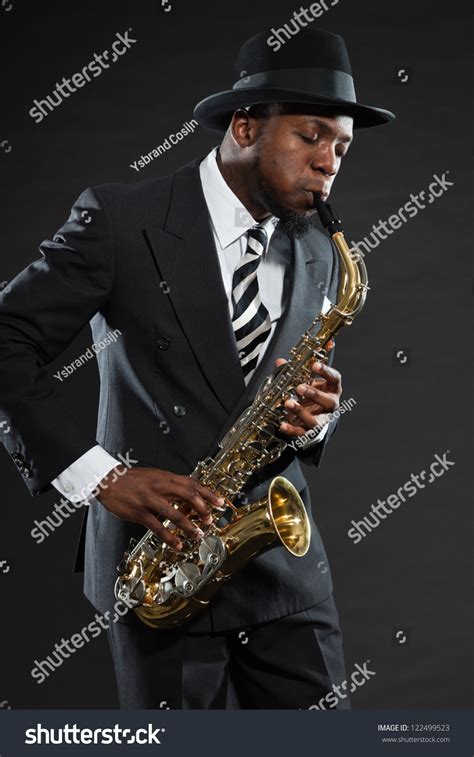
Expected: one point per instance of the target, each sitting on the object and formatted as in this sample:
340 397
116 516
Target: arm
47 306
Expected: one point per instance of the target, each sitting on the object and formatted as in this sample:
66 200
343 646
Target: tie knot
257 240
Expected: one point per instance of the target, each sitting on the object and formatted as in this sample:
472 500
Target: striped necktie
251 319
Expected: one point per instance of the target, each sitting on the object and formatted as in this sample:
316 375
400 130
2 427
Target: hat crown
312 69
312 48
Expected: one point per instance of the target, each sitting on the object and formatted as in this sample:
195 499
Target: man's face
298 155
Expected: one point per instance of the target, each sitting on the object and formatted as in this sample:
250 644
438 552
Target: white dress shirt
230 224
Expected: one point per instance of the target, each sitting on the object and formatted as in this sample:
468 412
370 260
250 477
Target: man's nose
326 163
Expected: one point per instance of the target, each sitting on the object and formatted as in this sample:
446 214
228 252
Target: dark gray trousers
289 663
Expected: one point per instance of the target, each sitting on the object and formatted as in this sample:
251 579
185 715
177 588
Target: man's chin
294 221
295 224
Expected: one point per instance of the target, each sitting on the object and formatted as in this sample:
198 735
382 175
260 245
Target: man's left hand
319 397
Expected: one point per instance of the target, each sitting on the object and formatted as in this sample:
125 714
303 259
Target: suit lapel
185 254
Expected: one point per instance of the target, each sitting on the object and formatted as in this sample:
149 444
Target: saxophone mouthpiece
327 215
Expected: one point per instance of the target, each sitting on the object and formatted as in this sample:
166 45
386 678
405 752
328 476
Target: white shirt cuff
82 477
321 434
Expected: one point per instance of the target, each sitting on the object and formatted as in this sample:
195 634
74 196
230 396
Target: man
209 277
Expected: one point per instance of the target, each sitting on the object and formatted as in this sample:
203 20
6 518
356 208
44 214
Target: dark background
413 572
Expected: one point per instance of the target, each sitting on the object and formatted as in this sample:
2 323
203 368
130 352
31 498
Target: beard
293 224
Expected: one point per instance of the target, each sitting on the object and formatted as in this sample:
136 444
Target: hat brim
215 111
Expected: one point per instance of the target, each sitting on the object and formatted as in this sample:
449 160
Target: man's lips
309 204
317 194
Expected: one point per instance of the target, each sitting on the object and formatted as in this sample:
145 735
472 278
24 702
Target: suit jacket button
179 410
163 343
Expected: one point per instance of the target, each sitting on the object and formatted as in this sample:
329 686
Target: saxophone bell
289 517
164 601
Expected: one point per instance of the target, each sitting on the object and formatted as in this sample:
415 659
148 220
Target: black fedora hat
313 68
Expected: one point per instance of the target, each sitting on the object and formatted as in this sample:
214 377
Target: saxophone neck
353 281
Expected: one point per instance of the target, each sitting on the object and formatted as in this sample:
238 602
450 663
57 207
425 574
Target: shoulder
148 199
123 196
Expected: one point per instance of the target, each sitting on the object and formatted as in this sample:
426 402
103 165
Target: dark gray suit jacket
141 258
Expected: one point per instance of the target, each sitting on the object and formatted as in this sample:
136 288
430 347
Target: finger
307 417
292 430
293 417
306 398
186 525
207 494
168 511
193 488
151 521
318 383
189 493
332 376
280 361
314 424
324 400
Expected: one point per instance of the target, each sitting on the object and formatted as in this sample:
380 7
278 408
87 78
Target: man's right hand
144 495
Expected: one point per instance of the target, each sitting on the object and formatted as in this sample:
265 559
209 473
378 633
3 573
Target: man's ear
243 128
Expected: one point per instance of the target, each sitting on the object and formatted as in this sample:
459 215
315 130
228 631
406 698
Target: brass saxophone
164 586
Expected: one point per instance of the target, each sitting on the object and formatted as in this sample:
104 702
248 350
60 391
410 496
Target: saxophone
164 586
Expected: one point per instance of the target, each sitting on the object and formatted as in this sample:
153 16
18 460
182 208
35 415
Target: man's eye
309 140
